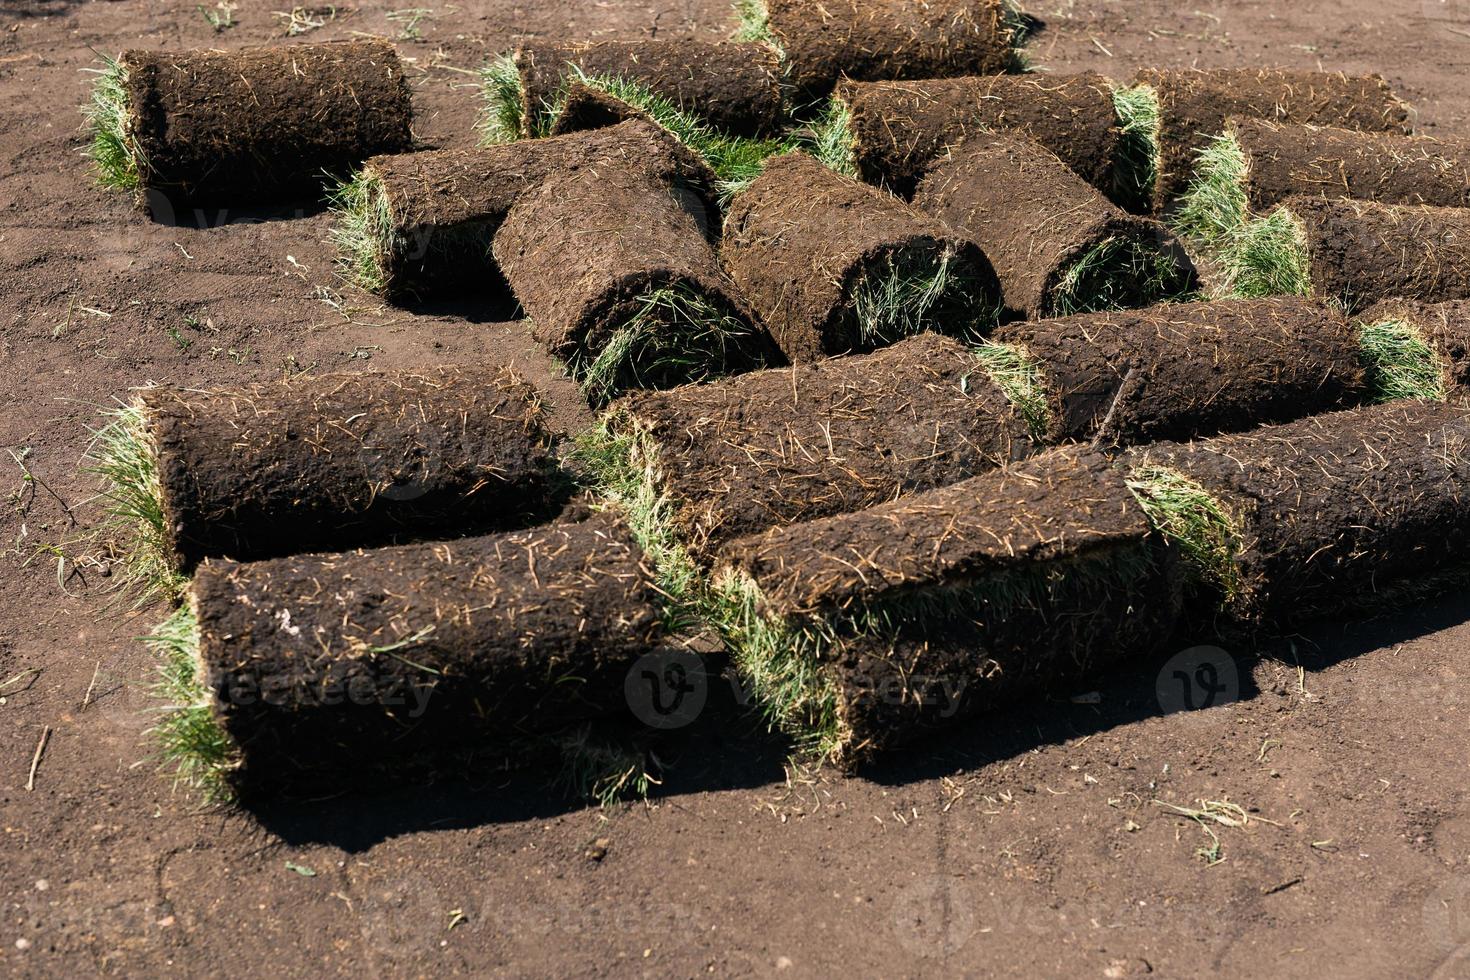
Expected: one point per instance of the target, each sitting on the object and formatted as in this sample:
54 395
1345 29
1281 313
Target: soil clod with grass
1419 350
331 669
834 266
1194 105
256 125
862 632
325 462
1058 246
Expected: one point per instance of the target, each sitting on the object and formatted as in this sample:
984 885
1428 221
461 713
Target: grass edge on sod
362 230
1400 363
1022 379
1119 272
1136 165
831 140
1187 514
107 114
503 119
1268 257
1215 208
898 303
191 742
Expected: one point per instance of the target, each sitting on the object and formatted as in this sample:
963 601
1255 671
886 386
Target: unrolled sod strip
324 462
734 86
889 132
1355 252
616 273
332 670
420 224
1421 350
861 632
1256 164
247 126
1194 105
871 40
1324 515
1058 246
833 266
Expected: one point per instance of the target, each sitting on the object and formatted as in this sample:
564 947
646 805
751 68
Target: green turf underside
190 740
1269 257
1189 515
1116 273
916 292
1214 210
1136 164
1022 379
116 157
1400 363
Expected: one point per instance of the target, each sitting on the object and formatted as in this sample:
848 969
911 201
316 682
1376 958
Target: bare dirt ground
1032 844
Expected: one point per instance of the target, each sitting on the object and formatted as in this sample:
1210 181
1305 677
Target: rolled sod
1256 164
734 86
1422 349
1194 105
861 632
620 282
1058 246
246 126
1355 252
892 131
1178 371
420 224
335 461
346 666
874 40
834 266
1318 516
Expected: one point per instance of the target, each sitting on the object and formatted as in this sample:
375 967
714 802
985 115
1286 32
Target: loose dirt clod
864 631
1194 105
239 127
833 266
323 462
1058 246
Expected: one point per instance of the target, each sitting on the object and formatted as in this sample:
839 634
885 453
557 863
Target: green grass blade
1400 363
116 157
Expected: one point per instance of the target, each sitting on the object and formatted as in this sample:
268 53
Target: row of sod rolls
864 631
776 447
249 126
325 671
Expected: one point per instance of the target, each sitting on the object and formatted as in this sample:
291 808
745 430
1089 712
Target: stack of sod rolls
1194 104
888 133
735 87
863 631
871 40
1422 350
1058 245
321 462
338 670
247 126
833 266
703 465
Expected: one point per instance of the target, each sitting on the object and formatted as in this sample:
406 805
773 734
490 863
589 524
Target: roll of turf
834 266
247 126
1422 350
1194 105
348 667
890 132
1355 252
861 632
793 444
1178 371
734 86
421 224
334 461
620 282
1256 164
1058 246
874 40
1323 515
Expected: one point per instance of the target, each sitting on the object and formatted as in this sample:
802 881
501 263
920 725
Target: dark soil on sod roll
1041 225
614 269
1179 371
780 446
262 124
1332 511
916 614
336 461
734 86
343 667
1359 251
444 207
898 128
872 40
1286 160
802 243
1444 327
583 107
1194 105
